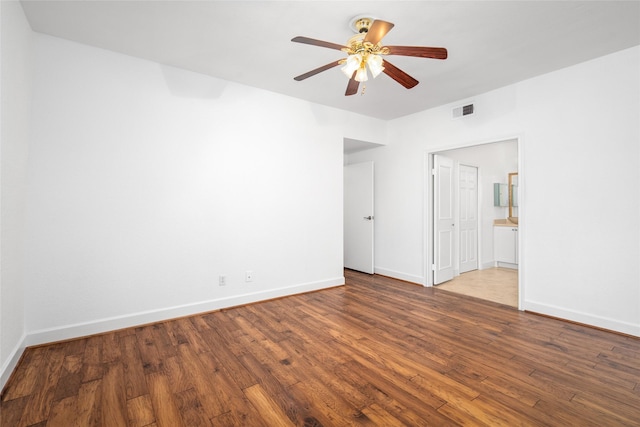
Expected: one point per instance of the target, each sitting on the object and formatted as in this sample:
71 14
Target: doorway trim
428 236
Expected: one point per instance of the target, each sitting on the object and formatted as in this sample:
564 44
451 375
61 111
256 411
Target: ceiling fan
364 51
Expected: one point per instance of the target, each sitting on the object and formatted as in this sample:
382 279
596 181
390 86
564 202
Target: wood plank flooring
375 352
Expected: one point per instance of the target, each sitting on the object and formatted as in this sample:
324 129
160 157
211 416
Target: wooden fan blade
420 51
352 86
314 42
377 31
398 75
316 71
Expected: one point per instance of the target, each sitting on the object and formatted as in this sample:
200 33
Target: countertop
505 222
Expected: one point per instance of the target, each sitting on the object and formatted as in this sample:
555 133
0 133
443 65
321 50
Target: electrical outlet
222 280
248 276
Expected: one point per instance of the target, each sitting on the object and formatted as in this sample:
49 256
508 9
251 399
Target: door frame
428 236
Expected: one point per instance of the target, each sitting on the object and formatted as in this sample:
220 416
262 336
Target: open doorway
358 208
359 217
490 280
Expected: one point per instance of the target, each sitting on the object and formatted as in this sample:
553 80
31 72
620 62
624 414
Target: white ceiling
490 43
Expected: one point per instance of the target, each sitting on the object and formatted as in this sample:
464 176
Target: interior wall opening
449 240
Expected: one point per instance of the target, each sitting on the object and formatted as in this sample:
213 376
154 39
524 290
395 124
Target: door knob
368 217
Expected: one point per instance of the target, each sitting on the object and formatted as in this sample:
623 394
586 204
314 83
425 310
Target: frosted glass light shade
351 65
361 74
375 65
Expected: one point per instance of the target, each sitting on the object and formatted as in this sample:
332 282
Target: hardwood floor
493 284
374 352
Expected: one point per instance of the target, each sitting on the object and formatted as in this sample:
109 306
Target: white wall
579 132
15 88
147 183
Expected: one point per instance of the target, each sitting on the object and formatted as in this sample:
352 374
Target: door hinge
433 172
433 267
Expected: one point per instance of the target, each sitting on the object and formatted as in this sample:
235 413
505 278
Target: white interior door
443 219
468 222
358 217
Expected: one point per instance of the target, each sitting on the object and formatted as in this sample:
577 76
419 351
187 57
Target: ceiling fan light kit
364 51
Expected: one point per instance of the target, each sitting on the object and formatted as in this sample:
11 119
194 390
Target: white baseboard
487 265
399 275
584 318
12 362
66 332
507 265
104 325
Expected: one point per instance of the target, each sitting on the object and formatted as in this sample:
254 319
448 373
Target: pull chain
364 87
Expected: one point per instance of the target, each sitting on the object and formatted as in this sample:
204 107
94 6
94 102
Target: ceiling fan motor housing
361 23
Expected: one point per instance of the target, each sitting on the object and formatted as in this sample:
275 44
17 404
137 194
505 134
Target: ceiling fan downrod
361 24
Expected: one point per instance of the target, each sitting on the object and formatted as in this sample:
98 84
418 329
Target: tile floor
494 284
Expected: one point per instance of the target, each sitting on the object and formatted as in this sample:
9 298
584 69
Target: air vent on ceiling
465 110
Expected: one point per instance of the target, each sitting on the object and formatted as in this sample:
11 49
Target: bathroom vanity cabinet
505 245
